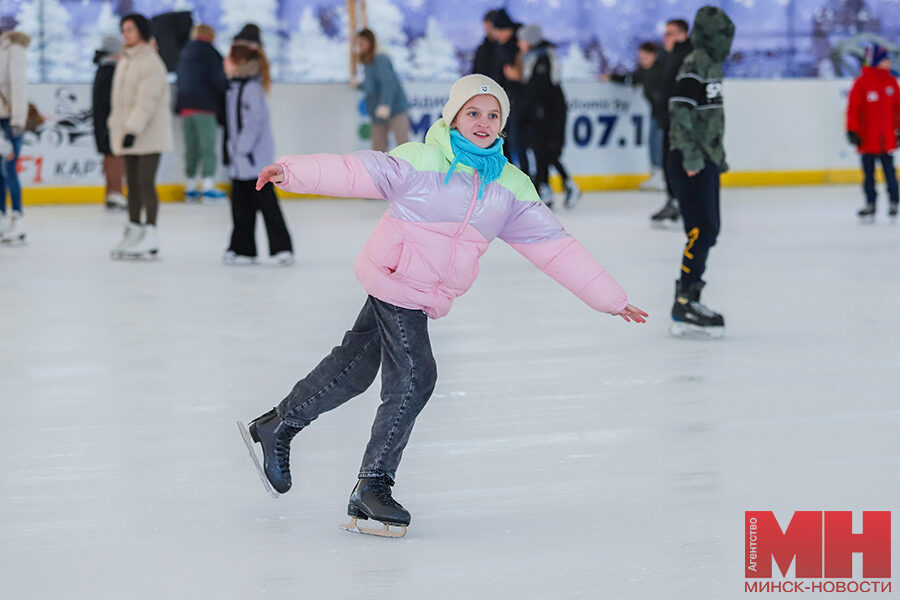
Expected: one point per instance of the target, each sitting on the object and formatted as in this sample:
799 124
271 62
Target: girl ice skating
448 198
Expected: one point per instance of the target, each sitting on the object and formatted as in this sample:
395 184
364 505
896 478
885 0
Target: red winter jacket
873 112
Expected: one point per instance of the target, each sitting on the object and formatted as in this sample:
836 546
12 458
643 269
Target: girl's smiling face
479 120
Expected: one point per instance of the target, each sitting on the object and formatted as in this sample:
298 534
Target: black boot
690 318
371 499
867 213
668 216
274 435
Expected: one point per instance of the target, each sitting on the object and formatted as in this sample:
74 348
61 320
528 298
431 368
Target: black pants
387 336
545 159
245 202
698 197
890 177
140 175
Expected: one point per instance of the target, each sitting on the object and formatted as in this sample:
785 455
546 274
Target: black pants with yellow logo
698 197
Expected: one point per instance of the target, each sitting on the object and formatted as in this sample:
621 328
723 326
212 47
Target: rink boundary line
173 192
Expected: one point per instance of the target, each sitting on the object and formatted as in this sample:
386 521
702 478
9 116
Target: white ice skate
116 201
233 258
285 258
655 183
15 231
146 247
131 237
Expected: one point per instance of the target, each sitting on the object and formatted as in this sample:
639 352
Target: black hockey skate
371 499
274 436
690 319
668 217
866 214
892 211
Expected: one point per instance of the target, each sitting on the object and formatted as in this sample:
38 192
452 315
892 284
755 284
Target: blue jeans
890 177
8 175
386 336
655 141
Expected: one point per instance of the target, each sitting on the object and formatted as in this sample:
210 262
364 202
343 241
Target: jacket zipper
462 228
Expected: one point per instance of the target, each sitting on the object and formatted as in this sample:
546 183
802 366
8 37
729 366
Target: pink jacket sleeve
569 263
327 175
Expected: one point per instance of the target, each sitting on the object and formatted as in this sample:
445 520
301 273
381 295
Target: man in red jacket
873 118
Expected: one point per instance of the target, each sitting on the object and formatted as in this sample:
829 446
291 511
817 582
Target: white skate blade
386 530
690 331
666 225
259 469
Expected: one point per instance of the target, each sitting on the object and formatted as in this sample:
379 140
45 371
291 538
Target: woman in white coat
140 128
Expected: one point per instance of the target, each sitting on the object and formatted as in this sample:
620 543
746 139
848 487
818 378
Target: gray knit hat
111 44
531 35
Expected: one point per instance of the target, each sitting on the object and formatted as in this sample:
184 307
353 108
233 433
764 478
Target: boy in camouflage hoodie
696 160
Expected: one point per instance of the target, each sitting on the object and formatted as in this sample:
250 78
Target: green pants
200 145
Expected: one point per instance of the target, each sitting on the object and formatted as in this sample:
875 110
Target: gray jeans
394 338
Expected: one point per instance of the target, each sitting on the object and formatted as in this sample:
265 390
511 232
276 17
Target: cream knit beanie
470 86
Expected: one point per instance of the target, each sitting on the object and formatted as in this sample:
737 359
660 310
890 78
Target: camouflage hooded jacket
696 107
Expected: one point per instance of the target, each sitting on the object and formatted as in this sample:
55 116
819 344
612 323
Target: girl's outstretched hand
633 313
273 173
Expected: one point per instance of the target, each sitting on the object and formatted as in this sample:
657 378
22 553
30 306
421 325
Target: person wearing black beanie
141 23
250 33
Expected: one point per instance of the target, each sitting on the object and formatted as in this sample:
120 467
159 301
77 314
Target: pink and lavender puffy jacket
424 251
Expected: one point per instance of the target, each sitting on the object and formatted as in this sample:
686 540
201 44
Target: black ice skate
274 435
371 499
690 319
892 211
866 214
668 217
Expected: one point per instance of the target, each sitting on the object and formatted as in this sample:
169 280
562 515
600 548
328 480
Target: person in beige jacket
13 114
140 128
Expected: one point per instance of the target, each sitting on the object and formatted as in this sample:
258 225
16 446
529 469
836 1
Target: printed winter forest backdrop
433 40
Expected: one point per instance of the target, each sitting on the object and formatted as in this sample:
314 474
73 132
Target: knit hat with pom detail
467 88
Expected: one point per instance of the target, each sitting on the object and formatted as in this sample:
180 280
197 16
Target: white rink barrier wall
778 132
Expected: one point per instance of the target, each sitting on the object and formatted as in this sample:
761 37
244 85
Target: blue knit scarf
487 162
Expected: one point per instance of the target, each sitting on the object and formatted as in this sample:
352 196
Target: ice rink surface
564 454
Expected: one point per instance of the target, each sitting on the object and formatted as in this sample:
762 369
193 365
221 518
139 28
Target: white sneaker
116 201
655 183
147 246
284 258
233 258
192 192
132 236
15 231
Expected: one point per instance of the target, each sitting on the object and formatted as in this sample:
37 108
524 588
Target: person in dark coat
200 103
543 110
484 63
113 166
678 46
506 53
648 76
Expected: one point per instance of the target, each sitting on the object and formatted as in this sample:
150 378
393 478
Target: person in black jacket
542 116
113 166
484 63
200 103
648 75
506 53
677 47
